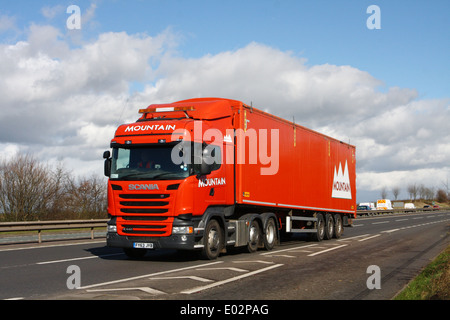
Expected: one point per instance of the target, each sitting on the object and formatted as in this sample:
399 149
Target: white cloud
95 136
51 12
7 23
375 181
64 103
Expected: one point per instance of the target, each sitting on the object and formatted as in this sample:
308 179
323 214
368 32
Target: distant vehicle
426 206
410 206
371 205
384 204
365 208
436 207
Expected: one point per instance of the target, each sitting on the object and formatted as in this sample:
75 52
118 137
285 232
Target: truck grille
144 214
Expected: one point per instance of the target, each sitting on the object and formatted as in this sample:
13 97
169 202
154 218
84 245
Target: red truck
209 173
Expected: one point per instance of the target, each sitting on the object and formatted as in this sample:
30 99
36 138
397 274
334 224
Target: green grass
433 283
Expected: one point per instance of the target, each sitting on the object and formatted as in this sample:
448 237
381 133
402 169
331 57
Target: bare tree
412 190
441 196
446 188
30 190
26 188
421 190
383 193
396 192
429 193
87 197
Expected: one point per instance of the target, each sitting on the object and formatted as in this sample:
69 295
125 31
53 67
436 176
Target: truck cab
164 176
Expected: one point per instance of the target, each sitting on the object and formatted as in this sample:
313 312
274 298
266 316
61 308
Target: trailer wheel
213 240
329 227
270 235
254 236
320 226
338 226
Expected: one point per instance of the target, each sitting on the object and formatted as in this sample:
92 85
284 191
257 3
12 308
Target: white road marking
183 277
197 289
81 258
389 231
254 261
145 289
147 275
281 255
374 236
277 251
355 237
326 250
224 268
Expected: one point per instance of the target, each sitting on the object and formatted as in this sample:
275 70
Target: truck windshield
147 163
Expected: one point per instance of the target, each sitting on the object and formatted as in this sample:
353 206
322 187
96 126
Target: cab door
212 188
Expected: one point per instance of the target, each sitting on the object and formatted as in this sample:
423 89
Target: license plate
143 245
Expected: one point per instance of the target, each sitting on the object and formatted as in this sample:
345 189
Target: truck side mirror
206 165
107 165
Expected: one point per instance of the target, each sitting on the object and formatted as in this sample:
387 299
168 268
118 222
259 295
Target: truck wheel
270 235
320 226
329 227
338 226
134 253
213 240
254 236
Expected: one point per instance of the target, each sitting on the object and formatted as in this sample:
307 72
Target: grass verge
433 283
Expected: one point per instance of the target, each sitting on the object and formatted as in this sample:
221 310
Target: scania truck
208 174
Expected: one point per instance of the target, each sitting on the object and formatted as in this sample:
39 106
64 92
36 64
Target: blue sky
410 50
387 90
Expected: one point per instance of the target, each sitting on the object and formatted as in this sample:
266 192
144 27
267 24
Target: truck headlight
112 228
182 230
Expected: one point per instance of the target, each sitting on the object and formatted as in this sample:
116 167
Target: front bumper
181 242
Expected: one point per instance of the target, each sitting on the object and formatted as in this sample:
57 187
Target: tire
134 253
329 227
254 237
338 226
320 226
270 235
212 240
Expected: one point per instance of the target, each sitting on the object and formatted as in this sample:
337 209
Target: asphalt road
397 245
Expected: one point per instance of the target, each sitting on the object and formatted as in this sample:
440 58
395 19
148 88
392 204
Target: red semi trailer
205 174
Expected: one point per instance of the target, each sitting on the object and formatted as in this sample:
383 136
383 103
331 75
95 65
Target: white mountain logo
341 183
